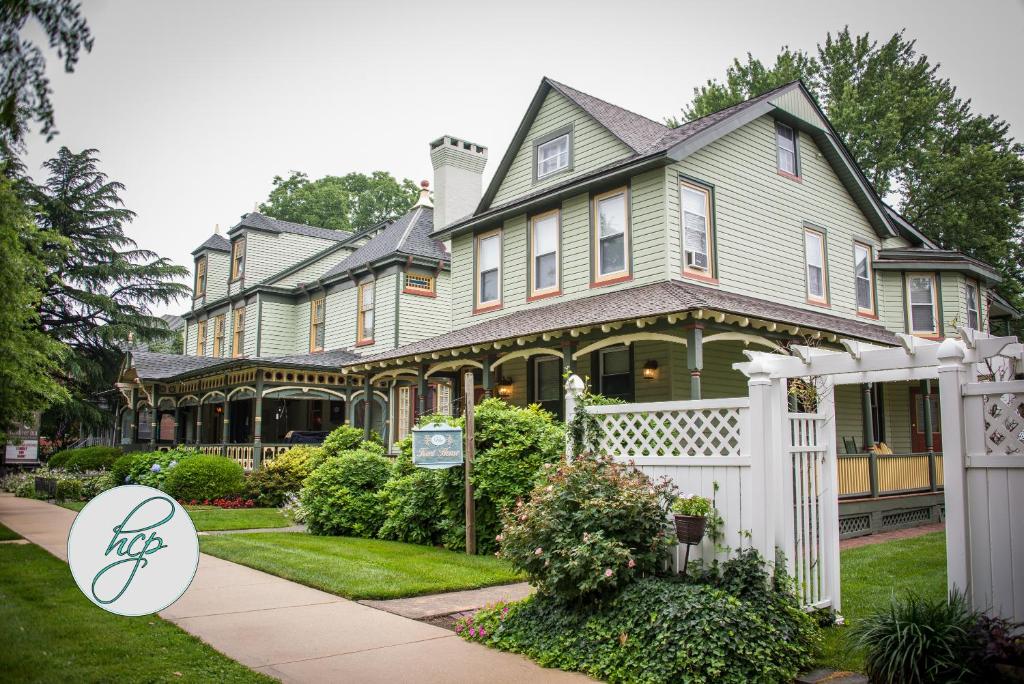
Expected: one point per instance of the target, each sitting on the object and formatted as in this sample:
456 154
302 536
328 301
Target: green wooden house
644 257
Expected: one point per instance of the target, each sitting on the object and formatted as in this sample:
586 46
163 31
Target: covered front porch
249 414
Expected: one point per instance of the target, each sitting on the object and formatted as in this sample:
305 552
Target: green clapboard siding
954 302
897 416
891 308
218 272
312 271
422 317
276 334
341 317
593 146
797 104
647 240
761 217
849 400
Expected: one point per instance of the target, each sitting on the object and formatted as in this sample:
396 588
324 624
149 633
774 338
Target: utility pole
470 505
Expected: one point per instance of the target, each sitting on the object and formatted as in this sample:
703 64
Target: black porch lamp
650 370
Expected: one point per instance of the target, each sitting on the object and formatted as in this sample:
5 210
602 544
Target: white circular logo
438 440
133 550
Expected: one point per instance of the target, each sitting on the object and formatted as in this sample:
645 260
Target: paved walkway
433 605
906 533
298 634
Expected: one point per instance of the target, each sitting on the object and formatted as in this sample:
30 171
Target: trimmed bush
344 438
413 509
205 477
340 496
658 630
121 468
86 458
284 475
590 528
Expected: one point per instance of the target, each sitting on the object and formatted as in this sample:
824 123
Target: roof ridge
560 85
636 131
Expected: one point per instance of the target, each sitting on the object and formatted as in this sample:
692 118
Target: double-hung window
544 240
921 301
201 338
238 332
785 143
695 207
200 288
317 318
616 376
364 323
238 259
973 306
553 155
488 270
817 271
218 335
611 236
864 278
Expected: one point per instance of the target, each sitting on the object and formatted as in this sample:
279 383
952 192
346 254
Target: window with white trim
553 156
695 209
785 143
864 278
611 235
544 250
921 301
817 274
973 306
366 295
488 269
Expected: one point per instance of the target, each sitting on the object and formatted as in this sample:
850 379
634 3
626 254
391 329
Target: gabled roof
653 143
907 229
660 298
257 221
407 236
216 242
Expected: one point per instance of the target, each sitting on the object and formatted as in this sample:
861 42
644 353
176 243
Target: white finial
424 200
216 229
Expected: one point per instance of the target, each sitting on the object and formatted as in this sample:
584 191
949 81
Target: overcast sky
195 106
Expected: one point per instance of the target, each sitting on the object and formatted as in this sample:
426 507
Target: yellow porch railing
862 475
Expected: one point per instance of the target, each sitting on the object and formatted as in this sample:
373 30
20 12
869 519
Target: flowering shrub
205 477
340 496
234 502
590 528
150 468
71 486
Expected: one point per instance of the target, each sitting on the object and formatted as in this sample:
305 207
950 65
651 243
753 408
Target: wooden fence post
952 373
760 391
470 503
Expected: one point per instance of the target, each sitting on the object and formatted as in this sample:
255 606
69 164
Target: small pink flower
472 632
549 488
537 551
500 537
608 572
632 563
483 632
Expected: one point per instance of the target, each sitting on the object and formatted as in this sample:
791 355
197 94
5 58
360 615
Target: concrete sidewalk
298 634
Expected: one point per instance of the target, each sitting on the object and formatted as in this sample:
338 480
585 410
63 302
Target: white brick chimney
458 178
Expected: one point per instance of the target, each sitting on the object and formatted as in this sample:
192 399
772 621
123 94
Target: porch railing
874 475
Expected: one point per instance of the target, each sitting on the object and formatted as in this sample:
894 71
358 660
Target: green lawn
211 518
871 575
51 633
7 534
360 568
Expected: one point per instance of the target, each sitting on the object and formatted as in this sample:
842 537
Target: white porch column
762 441
573 389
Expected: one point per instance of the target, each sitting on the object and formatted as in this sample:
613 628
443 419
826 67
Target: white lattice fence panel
672 429
1004 424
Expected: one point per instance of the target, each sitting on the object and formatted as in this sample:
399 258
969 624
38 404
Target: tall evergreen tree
957 175
29 359
99 287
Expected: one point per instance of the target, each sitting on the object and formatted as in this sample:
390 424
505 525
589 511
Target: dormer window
200 287
552 153
785 143
238 259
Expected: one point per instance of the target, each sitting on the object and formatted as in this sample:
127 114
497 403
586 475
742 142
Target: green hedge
340 496
277 479
205 477
86 458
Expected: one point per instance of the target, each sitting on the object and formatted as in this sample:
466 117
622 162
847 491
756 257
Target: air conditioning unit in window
698 260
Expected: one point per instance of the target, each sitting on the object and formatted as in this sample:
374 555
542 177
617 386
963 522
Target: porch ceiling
644 305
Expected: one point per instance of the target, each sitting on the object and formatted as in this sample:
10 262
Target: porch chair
850 444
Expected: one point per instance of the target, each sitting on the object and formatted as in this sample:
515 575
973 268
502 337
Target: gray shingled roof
334 358
260 222
408 235
156 366
631 303
215 242
638 132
